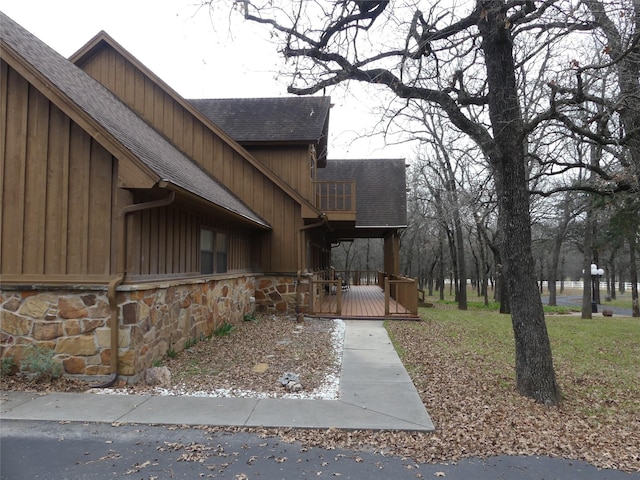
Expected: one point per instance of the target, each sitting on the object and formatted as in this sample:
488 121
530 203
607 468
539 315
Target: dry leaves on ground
226 363
477 412
275 342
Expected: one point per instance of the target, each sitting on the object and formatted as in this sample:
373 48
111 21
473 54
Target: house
290 136
123 204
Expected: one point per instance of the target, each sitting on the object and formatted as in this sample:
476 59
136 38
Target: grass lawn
462 363
592 357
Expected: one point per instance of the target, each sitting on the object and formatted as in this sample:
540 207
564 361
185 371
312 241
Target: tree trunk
555 254
441 269
633 269
461 264
454 260
613 274
535 376
586 268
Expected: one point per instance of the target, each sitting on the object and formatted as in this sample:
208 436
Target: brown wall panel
79 153
35 183
100 210
291 163
220 160
4 72
167 241
57 201
154 246
14 173
57 192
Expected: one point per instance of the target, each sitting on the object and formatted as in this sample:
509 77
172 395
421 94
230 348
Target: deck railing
337 196
404 291
319 290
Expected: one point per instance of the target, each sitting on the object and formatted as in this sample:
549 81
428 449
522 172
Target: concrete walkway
375 393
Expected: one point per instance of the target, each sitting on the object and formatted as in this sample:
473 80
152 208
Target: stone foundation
278 294
153 320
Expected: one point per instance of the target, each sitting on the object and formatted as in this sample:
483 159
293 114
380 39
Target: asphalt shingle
280 119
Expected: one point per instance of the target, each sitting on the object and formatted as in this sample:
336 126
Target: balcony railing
335 196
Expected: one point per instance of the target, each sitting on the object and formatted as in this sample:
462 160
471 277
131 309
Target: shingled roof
146 145
381 190
291 120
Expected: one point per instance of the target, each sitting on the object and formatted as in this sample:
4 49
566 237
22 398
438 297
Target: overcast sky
197 56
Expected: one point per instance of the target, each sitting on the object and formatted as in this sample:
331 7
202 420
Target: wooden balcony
336 199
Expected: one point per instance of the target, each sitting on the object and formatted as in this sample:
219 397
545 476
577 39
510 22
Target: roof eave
261 224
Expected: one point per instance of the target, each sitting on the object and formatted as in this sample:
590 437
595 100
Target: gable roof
97 104
248 121
280 119
381 190
103 40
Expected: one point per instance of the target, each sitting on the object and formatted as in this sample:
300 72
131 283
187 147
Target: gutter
119 278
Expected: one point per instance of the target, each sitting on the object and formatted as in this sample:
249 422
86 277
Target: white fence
571 284
579 284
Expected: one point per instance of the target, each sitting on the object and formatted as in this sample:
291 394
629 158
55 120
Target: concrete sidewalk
375 393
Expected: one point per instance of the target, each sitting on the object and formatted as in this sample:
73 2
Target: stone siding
277 294
153 320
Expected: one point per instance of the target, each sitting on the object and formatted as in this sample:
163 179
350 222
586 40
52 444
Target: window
221 252
213 251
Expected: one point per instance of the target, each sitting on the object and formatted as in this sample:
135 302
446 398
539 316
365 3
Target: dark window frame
213 257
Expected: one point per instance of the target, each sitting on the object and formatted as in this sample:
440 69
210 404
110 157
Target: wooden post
386 295
312 294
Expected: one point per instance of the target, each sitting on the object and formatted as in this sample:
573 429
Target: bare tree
444 181
459 59
568 211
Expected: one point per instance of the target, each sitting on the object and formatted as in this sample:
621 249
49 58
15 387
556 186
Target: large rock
260 367
34 307
74 346
15 325
126 363
290 381
157 376
47 330
74 365
72 307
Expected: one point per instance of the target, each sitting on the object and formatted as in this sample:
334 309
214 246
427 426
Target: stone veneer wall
277 294
153 320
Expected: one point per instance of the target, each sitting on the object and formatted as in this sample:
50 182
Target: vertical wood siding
56 188
167 242
291 163
278 251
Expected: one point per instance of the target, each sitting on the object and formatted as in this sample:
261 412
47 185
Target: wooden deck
362 302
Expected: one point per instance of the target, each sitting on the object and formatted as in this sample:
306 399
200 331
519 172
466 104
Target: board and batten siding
165 242
213 153
57 191
291 163
60 198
